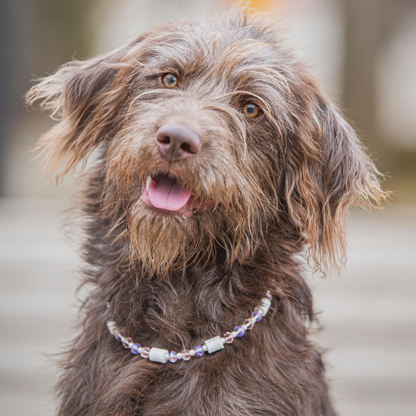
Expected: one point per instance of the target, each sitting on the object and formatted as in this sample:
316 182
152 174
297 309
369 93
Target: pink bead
119 336
228 338
145 352
126 342
249 323
186 355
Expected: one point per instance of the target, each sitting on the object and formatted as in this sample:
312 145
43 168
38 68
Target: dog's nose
176 142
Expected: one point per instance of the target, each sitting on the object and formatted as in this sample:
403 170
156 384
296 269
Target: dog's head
211 136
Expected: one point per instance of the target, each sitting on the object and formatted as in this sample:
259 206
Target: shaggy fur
272 187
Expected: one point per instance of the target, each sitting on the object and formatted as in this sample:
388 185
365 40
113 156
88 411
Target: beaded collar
211 345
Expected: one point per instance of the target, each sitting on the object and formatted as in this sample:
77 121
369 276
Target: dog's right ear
84 96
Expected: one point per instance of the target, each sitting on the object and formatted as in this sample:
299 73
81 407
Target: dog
218 164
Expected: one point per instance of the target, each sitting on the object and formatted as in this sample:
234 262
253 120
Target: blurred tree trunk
6 54
49 33
36 36
370 24
362 47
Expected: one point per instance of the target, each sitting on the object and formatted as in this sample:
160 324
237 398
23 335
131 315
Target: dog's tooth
149 179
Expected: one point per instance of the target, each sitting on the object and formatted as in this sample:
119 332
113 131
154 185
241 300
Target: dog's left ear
85 97
328 170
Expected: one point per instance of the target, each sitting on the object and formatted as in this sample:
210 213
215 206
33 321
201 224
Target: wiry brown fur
276 184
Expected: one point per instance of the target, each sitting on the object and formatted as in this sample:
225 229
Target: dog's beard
165 243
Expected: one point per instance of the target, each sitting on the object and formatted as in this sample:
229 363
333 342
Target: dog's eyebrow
284 82
243 92
143 65
145 93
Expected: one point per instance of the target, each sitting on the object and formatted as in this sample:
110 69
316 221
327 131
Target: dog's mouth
165 193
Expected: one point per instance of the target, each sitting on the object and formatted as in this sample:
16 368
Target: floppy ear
84 96
327 172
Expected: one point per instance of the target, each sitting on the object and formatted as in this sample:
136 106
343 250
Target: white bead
223 340
112 327
214 344
179 355
205 348
192 352
262 311
234 334
158 355
265 305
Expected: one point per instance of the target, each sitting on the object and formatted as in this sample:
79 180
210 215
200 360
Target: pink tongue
166 193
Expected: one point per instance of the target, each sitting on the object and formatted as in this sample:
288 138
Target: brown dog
219 160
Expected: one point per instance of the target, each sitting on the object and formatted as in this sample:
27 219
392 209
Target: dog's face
210 136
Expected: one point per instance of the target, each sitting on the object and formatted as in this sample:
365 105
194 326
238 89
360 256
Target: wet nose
176 142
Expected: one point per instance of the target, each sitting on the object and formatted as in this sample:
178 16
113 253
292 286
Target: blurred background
365 53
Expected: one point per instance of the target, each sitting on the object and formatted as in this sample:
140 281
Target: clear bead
145 352
186 356
228 338
268 295
173 357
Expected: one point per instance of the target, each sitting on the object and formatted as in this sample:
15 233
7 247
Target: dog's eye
251 110
169 80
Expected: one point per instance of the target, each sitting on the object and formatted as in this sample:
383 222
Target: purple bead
199 351
239 330
135 349
256 315
173 357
